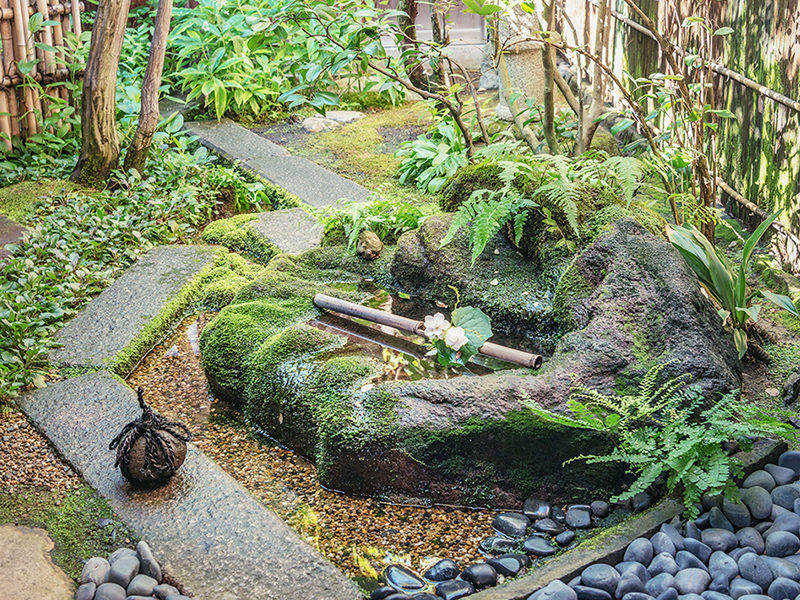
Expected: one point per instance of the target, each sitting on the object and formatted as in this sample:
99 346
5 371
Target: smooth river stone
722 564
781 567
95 571
668 594
673 534
589 593
481 575
760 478
538 546
564 538
787 521
548 526
662 543
781 475
658 584
687 560
692 581
496 544
454 589
536 509
712 595
638 569
600 509
698 548
720 539
758 501
401 577
123 570
718 520
783 589
743 587
628 582
442 571
737 513
512 524
749 536
508 565
142 585
555 590
781 544
662 563
785 495
754 568
603 577
110 591
790 460
640 550
578 518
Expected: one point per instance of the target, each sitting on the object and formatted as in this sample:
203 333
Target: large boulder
625 303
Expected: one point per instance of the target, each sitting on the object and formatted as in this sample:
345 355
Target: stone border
609 545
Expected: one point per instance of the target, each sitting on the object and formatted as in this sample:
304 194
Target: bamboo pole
20 50
76 18
518 357
5 110
7 39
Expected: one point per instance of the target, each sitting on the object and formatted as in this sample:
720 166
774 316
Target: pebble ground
359 535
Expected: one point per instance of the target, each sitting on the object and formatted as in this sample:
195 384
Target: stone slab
310 182
609 546
10 233
292 230
115 317
231 140
26 569
206 529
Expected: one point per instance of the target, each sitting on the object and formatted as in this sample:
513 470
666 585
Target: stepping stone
292 230
114 318
26 569
209 531
10 233
308 181
231 140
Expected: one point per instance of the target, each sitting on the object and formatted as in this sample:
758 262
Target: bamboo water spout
518 357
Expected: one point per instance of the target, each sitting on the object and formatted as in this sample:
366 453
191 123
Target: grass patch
17 201
71 519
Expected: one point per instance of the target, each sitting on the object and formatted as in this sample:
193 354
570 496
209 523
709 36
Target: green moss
603 218
70 518
572 290
17 201
604 141
236 235
785 361
477 176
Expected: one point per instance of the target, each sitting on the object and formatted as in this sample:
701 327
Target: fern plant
662 429
560 182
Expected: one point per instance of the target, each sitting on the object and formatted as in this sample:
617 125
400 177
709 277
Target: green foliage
433 158
388 219
664 430
724 282
472 325
554 184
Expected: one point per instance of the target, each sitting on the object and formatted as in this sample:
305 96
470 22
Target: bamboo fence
26 100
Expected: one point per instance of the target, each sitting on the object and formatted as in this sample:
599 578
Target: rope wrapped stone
150 449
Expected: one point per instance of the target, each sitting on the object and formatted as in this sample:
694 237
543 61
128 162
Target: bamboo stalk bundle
7 40
21 54
6 100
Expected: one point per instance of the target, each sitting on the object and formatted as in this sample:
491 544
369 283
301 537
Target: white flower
455 338
435 326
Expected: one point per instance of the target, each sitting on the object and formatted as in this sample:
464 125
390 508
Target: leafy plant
430 160
664 429
388 219
457 340
725 283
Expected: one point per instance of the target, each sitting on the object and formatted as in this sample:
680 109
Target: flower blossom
455 338
436 326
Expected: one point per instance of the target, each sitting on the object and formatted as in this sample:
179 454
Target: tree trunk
411 64
149 114
549 63
99 137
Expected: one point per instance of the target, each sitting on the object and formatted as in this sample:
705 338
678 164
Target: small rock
781 475
781 567
401 577
600 576
712 595
658 584
629 582
442 571
555 590
692 532
103 523
722 564
600 509
760 478
163 590
788 521
481 575
641 501
344 116
369 245
509 565
559 515
783 589
708 501
753 568
692 581
638 569
538 546
86 591
589 593
95 571
785 495
781 543
687 560
719 539
637 596
110 591
496 544
182 597
668 594
512 524
172 352
565 538
548 526
639 550
319 124
673 534
738 553
123 570
758 501
142 585
120 553
663 563
661 542
147 564
454 589
578 518
790 460
737 513
749 537
536 509
741 587
377 594
718 520
699 549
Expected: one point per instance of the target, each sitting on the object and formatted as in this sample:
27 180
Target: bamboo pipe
518 357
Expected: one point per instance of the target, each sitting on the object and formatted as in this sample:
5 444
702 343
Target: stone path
204 526
10 233
292 230
307 180
114 319
26 569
